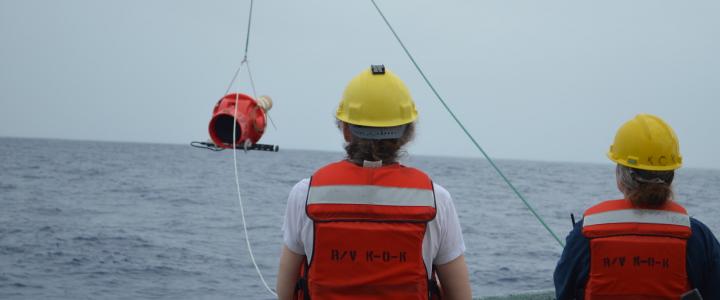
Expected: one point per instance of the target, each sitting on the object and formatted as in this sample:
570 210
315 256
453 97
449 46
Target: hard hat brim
640 166
377 133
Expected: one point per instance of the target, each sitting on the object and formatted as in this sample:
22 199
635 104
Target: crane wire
467 133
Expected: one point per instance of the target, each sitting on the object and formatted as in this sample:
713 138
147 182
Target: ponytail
651 195
644 188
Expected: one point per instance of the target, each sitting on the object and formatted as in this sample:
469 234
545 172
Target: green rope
447 108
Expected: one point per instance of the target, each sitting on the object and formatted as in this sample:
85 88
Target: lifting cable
246 63
467 133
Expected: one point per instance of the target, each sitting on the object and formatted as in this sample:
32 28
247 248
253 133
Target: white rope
240 201
234 144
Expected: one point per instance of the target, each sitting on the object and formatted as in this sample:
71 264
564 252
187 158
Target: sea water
98 220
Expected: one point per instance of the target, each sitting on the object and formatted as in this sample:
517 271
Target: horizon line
480 157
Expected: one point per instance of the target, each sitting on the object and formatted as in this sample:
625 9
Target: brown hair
388 150
644 188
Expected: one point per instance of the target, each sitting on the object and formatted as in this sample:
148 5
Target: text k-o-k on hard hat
647 143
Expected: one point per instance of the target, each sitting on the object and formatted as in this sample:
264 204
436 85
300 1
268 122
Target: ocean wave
184 201
9 250
47 211
130 240
23 285
6 187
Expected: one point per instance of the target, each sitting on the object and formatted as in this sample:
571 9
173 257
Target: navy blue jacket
703 263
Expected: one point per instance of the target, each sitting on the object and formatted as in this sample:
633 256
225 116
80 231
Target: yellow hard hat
376 98
647 143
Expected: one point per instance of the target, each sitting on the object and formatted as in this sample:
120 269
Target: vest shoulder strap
344 191
347 173
619 217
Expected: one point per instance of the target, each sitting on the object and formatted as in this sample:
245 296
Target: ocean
102 220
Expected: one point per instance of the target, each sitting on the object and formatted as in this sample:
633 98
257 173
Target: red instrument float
248 126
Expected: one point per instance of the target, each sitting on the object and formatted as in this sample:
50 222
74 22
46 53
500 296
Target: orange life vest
636 253
369 225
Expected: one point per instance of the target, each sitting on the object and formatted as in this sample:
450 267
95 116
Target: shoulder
701 233
577 248
576 235
699 226
442 196
301 185
703 254
299 191
443 204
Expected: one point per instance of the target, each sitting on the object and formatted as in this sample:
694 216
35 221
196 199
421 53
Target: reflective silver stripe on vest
370 194
647 216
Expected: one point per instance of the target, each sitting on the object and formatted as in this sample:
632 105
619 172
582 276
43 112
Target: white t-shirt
443 240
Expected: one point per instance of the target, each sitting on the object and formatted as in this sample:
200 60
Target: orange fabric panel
614 229
368 260
637 266
368 251
636 260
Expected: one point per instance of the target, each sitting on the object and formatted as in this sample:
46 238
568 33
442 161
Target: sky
544 80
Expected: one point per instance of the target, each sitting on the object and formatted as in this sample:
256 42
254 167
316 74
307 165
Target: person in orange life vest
368 227
644 246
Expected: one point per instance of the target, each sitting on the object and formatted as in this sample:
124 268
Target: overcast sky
538 80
